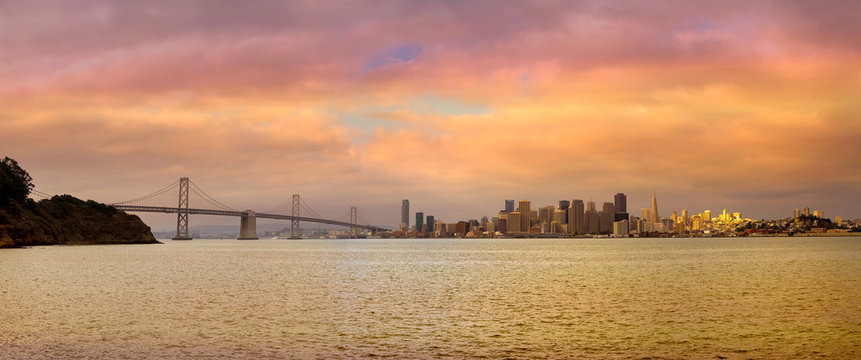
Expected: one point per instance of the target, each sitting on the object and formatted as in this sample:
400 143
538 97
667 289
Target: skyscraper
620 202
523 208
509 205
514 222
564 205
606 218
420 218
431 224
591 219
405 213
653 214
576 224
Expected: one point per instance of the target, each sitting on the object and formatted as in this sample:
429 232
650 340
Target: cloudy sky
753 106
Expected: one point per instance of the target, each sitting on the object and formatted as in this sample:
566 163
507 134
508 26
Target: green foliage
15 182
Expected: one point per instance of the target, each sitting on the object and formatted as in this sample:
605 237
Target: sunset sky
753 106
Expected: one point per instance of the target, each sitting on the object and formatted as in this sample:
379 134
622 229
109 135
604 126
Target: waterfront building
653 213
420 216
431 222
559 216
707 216
620 202
696 222
606 218
525 215
576 223
592 220
545 215
564 205
514 222
620 228
405 213
684 217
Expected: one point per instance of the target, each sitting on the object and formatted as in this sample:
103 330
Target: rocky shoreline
66 220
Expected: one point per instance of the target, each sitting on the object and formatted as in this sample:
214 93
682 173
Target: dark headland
60 220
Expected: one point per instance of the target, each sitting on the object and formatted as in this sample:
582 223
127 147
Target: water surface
435 298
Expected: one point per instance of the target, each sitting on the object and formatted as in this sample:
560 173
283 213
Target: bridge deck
173 210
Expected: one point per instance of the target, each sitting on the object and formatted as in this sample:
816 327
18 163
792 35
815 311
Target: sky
752 106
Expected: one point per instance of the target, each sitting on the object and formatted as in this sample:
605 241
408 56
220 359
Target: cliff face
68 220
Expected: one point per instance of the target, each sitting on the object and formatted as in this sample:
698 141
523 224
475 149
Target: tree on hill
15 182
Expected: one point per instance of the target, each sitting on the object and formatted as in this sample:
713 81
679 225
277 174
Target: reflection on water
521 298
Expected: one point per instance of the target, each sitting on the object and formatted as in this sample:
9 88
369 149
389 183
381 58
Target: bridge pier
248 226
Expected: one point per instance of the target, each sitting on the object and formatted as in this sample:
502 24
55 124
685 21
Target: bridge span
248 218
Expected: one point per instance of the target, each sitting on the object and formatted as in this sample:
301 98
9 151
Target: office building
509 206
405 213
605 218
653 213
431 223
620 202
525 215
591 219
564 205
420 216
576 219
514 222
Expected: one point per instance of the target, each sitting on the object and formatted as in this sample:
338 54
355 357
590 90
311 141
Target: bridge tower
354 219
294 223
182 211
248 226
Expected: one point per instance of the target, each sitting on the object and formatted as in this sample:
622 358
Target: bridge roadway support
248 226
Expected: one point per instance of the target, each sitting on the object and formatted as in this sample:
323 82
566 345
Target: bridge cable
149 196
197 190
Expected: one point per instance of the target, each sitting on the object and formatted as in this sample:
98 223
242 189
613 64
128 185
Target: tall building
564 204
684 217
591 220
509 205
576 224
797 213
559 216
653 214
644 214
707 216
621 203
420 218
405 213
806 211
431 223
525 214
514 222
606 218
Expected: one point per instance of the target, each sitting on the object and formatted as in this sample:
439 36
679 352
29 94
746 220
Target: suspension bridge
189 193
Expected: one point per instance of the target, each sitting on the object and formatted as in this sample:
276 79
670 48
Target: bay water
733 298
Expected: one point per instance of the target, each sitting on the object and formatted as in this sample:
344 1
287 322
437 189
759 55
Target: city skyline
715 104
